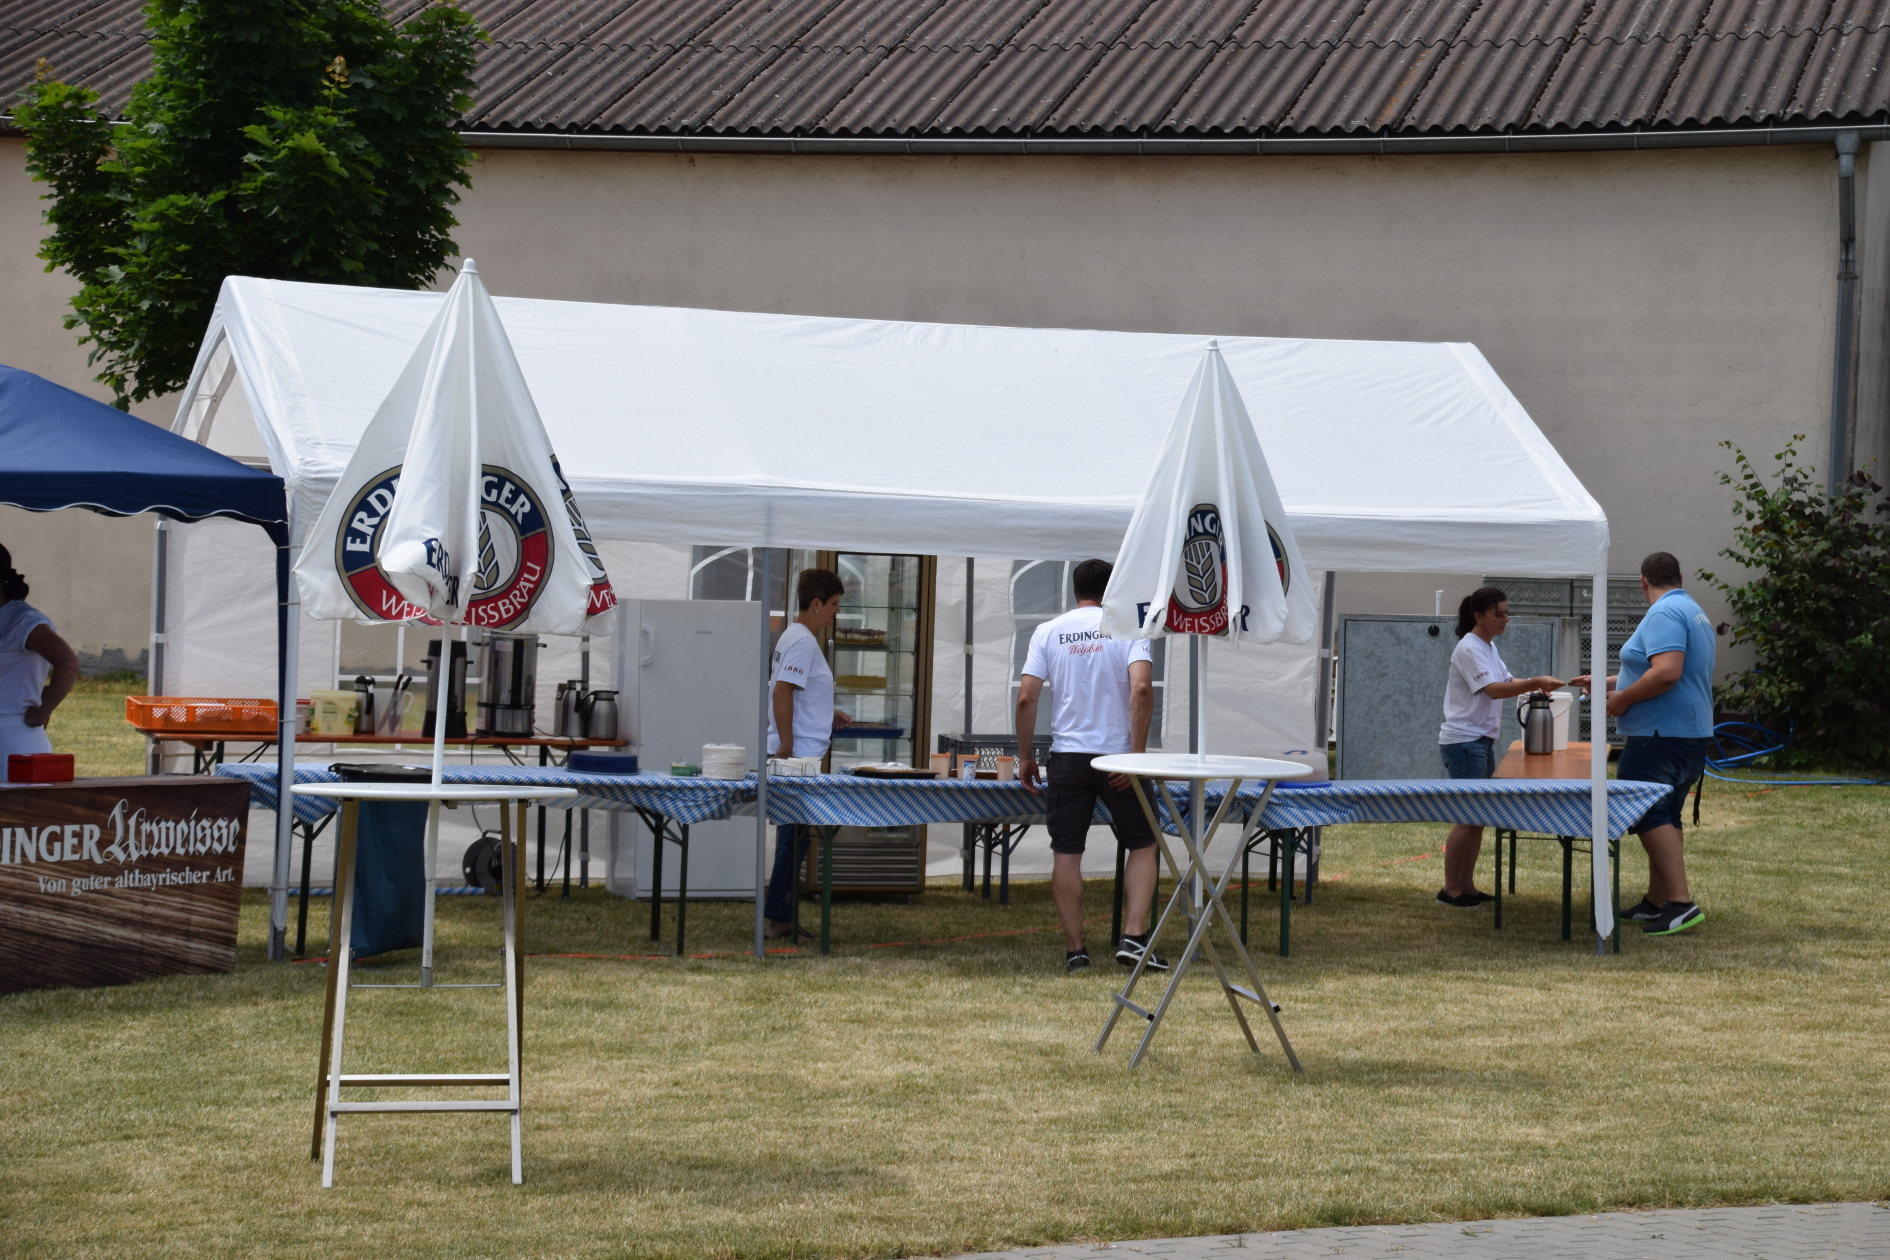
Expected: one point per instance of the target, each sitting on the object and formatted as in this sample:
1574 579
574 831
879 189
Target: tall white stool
1150 771
330 1080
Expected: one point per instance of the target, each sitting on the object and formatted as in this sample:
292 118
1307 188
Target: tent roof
696 426
60 449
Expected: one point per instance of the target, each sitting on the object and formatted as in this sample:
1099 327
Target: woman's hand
38 714
1545 683
841 719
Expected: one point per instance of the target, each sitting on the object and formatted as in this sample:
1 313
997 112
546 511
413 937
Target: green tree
1815 606
288 139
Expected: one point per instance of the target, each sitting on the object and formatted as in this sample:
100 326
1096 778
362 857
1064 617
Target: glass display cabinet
881 653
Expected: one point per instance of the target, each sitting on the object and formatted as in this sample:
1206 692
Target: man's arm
1663 671
784 718
1029 688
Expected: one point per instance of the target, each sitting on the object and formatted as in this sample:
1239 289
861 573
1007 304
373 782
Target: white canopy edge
690 426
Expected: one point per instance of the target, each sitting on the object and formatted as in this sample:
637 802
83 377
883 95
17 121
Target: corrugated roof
1100 68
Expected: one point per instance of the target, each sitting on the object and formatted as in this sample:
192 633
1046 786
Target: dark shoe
1076 960
1481 896
1131 952
1467 901
1675 916
1644 912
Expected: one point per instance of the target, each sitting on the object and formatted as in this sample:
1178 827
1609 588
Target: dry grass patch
941 1097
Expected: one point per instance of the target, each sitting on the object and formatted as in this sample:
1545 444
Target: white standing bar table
1152 772
330 1080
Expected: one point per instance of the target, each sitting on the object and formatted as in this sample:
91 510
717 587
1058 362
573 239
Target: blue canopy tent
60 449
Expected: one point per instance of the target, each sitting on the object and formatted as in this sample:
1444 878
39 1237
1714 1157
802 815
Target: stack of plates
724 761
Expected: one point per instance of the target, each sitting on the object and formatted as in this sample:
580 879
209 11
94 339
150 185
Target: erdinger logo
1199 602
513 562
1279 559
602 597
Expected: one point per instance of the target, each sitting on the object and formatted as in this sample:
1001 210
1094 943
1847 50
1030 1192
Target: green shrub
1815 606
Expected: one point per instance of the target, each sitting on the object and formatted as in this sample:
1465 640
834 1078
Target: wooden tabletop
412 739
1571 763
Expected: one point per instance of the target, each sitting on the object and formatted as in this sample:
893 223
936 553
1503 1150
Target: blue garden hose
1739 744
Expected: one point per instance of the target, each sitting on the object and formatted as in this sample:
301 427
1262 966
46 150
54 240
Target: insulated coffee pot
600 714
569 722
1538 725
363 705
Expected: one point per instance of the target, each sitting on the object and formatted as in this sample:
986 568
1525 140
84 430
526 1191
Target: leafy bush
291 139
1816 608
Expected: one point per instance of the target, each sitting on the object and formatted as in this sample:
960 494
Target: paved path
1783 1232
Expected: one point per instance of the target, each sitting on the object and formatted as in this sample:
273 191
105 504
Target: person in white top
1473 714
37 668
801 720
1102 696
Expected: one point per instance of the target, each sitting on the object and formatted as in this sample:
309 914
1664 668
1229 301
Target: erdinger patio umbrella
453 510
1209 551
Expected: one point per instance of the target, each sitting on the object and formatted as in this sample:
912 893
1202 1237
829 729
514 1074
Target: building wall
1643 306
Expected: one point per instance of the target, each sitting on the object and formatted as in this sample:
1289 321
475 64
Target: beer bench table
668 805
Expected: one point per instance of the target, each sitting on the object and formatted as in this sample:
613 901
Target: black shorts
1663 759
1070 801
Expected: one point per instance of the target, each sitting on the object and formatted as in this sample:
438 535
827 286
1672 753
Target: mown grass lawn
941 1095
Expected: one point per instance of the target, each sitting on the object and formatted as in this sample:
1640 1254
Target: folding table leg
340 954
682 890
513 869
826 889
1498 925
1115 919
344 867
1005 836
308 859
1286 849
1568 881
657 831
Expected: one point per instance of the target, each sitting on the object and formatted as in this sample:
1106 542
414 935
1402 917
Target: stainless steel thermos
599 714
455 688
1538 725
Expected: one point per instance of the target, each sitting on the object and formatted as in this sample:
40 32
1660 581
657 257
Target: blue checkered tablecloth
1548 806
1557 807
685 800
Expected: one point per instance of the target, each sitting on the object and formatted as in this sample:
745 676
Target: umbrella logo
514 550
602 598
1279 557
358 543
1199 602
513 562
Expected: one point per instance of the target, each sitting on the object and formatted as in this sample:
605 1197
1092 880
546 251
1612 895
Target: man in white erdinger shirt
1102 695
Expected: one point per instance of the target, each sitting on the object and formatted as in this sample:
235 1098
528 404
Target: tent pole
761 757
1322 702
969 587
288 624
1598 764
154 668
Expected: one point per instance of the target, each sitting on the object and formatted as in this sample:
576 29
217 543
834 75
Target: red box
39 768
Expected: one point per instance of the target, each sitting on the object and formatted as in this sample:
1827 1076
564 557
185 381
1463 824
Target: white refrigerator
690 672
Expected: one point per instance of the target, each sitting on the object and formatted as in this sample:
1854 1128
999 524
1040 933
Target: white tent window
1040 591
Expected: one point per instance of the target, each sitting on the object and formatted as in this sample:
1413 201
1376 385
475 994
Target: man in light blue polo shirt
1663 702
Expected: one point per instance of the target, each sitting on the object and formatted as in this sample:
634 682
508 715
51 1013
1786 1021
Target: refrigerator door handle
649 644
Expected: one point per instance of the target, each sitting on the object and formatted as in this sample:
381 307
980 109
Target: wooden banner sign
105 881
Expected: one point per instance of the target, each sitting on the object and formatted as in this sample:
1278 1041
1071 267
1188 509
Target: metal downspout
1841 369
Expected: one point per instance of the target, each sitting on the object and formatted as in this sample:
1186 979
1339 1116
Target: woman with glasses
1473 713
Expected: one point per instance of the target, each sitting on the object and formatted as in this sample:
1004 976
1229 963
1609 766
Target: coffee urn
1538 725
455 689
508 683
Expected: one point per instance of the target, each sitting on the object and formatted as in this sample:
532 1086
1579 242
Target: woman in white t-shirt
37 668
801 720
1473 713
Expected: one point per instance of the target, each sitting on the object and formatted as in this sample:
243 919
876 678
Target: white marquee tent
701 427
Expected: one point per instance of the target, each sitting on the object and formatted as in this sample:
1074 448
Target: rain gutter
1181 146
1842 368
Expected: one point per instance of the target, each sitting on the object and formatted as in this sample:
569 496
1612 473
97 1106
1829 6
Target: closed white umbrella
453 510
1209 551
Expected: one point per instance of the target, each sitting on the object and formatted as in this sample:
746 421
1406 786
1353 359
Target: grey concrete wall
1643 306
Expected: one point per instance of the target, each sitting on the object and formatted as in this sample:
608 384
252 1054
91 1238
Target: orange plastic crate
201 714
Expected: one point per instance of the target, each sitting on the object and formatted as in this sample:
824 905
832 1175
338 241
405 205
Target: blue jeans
790 846
1473 760
1678 763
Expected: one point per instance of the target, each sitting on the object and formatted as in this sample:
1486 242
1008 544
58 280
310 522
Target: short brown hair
817 585
1662 570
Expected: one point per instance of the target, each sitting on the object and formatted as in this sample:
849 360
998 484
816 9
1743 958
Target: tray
880 772
199 713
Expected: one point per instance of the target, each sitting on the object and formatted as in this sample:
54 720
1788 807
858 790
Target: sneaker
1131 952
1675 916
1465 901
1076 960
1481 896
1644 912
